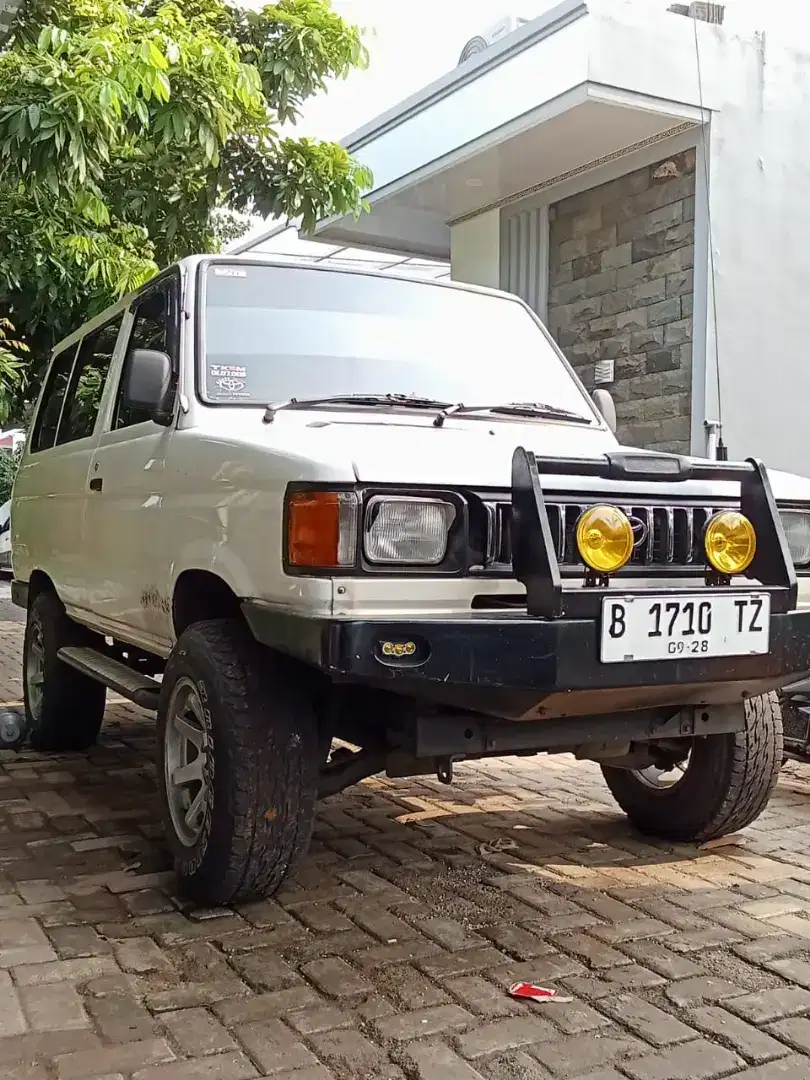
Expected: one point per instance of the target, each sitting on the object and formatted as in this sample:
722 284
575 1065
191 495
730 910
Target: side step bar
139 689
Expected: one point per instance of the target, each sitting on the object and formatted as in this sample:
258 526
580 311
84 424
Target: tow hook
444 768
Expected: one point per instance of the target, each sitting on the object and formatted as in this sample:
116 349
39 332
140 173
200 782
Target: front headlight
796 524
407 530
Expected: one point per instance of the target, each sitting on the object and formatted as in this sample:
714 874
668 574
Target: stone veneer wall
620 287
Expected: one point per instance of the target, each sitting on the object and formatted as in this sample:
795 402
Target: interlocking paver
480 996
795 1032
274 1047
649 1022
121 1018
12 1020
79 970
54 1007
221 1067
773 947
702 989
334 977
422 1023
197 1032
701 1060
392 953
614 981
141 954
23 941
350 1052
505 1035
793 969
580 1054
753 1044
322 1018
435 1061
45 1046
769 1005
129 1058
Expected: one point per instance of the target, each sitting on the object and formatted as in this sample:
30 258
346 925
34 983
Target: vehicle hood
465 452
478 454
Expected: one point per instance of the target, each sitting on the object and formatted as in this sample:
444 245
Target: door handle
96 483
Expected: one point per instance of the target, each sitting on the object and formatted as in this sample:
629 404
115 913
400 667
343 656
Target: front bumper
545 662
518 667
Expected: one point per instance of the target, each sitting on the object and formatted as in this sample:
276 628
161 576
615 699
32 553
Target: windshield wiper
515 408
412 401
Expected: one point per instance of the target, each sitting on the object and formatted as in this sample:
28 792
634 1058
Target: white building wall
756 212
475 250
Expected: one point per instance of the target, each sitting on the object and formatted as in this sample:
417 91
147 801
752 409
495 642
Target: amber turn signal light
321 529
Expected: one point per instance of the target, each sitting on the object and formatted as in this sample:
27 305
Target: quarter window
88 382
47 423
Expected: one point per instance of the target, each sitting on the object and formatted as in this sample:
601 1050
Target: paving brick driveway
391 955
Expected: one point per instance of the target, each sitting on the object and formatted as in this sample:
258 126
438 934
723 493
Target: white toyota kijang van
329 524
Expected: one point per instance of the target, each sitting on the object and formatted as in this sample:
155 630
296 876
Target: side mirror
148 384
604 402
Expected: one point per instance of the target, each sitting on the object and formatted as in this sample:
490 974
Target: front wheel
721 784
238 764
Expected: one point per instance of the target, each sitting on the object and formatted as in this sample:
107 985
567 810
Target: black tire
726 785
68 713
261 764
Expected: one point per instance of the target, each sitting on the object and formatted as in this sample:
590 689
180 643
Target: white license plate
684 627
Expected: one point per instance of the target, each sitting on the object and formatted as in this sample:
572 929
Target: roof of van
190 263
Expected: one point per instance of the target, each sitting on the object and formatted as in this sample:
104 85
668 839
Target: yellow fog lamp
730 542
604 539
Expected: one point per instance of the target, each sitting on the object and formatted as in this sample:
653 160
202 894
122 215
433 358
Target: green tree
13 357
133 132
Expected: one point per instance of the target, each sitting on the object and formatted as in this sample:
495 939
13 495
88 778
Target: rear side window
88 382
47 423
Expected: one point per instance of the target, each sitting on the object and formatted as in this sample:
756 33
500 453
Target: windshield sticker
228 371
229 381
229 271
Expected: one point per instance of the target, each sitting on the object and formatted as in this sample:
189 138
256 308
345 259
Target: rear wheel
239 760
721 784
64 709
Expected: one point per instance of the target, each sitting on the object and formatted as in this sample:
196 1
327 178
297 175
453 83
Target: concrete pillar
475 250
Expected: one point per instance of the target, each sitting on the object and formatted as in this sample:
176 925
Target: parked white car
327 504
5 536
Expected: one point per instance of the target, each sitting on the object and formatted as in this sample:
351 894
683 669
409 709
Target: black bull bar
534 558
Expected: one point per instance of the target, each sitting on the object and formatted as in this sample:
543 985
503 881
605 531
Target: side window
152 328
87 383
47 422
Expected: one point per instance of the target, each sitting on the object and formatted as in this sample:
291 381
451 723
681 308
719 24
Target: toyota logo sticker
230 386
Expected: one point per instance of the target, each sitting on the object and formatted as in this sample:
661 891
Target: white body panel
207 493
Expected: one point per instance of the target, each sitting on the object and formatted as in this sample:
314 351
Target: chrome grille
674 534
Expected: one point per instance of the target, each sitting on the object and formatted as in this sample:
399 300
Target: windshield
274 333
